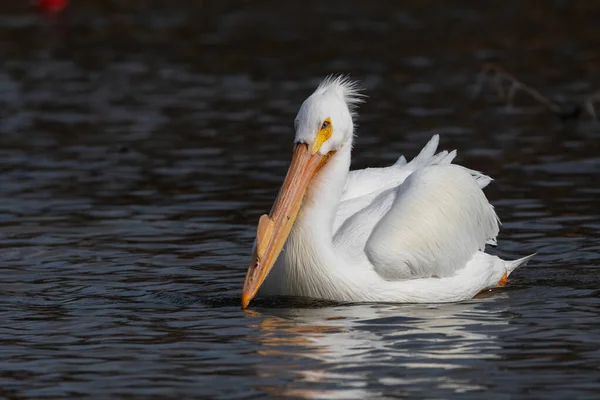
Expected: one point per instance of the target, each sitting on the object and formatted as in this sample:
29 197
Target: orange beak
273 229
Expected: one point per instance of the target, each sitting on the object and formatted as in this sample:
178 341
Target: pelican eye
323 135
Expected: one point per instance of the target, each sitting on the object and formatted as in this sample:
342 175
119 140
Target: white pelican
412 232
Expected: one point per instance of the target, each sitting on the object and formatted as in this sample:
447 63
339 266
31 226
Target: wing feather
370 180
438 220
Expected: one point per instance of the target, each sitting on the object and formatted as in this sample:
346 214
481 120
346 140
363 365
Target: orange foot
502 281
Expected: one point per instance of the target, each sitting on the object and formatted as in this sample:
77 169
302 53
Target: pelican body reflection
407 347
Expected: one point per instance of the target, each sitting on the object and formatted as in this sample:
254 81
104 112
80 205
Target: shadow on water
178 299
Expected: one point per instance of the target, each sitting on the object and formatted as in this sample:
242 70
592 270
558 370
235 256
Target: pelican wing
438 220
373 180
365 185
431 224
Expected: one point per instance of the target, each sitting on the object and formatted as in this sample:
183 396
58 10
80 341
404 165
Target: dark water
140 142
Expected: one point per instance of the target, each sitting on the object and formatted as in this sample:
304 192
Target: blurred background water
141 140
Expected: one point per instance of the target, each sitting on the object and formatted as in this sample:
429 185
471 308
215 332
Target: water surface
139 144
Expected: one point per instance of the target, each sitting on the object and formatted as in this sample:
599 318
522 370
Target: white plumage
411 232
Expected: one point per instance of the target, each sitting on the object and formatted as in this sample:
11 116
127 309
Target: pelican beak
273 229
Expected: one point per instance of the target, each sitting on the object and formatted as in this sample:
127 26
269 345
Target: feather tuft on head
346 88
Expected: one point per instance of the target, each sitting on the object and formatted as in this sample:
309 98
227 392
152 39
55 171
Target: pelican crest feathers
349 90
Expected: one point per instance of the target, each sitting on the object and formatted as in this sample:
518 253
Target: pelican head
325 119
323 125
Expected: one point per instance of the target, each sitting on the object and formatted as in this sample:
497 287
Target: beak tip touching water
245 301
250 287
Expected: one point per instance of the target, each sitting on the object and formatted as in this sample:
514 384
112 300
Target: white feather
346 88
439 218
